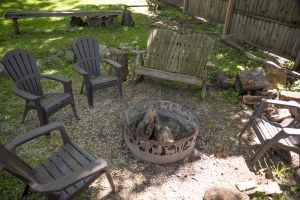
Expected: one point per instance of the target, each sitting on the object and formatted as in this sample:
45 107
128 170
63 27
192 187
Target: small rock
104 51
69 56
224 194
293 110
279 115
287 96
38 62
284 155
3 71
224 81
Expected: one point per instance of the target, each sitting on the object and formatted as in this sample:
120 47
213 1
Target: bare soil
219 158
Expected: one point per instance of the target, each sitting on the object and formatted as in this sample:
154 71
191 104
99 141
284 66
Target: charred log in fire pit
160 131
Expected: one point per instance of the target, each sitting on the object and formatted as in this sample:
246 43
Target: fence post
228 16
185 6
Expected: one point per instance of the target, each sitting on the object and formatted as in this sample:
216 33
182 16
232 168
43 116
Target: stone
275 77
38 62
296 175
284 155
293 110
224 81
288 96
104 51
3 71
279 115
224 194
251 100
69 56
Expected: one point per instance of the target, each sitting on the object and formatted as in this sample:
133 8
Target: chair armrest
281 103
112 63
72 178
43 130
80 71
57 78
24 95
292 131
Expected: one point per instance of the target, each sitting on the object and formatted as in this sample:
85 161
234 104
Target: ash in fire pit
160 131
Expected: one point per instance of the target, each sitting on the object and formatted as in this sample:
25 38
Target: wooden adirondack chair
21 66
63 175
273 134
86 50
176 57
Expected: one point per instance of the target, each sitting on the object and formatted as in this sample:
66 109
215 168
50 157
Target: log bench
109 15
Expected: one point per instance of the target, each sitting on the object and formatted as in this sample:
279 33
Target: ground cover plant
216 149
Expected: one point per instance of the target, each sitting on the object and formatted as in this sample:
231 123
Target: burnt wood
63 175
146 126
272 134
74 14
86 51
21 66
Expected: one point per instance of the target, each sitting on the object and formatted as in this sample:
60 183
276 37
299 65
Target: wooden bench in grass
176 57
92 16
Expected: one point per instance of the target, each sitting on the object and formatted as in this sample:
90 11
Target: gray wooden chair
86 50
63 175
21 66
272 134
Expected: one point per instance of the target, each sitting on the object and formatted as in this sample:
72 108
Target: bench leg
16 26
115 20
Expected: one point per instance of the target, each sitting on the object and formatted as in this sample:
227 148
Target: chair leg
26 110
110 180
261 150
26 190
74 110
82 86
120 90
89 95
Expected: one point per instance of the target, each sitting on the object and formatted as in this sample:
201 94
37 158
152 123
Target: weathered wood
146 126
297 62
16 26
76 21
168 76
127 19
185 6
121 57
251 80
62 13
161 132
228 16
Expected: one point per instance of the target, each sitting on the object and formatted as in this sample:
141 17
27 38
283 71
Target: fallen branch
234 45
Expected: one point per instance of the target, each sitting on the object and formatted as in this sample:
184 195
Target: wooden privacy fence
273 25
174 2
214 10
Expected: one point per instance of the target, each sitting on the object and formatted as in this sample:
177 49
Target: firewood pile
160 128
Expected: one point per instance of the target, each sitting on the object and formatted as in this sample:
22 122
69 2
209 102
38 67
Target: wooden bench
111 15
176 57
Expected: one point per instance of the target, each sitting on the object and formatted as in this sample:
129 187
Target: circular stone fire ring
155 151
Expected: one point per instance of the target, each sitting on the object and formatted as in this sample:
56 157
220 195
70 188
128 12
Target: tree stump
77 21
127 19
146 126
251 80
121 57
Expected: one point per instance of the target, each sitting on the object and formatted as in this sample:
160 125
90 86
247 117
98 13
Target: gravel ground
218 159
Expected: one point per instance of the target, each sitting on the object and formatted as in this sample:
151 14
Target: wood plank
62 13
169 76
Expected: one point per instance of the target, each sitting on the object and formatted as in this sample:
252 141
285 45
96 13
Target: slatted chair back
86 50
21 66
15 165
185 54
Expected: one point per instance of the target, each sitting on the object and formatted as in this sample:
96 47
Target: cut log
121 57
127 19
251 100
146 126
162 133
251 80
77 21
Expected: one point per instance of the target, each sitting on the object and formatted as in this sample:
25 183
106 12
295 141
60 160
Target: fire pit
179 123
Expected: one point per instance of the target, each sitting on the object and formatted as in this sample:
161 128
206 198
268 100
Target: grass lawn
42 35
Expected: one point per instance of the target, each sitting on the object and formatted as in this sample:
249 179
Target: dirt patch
218 158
